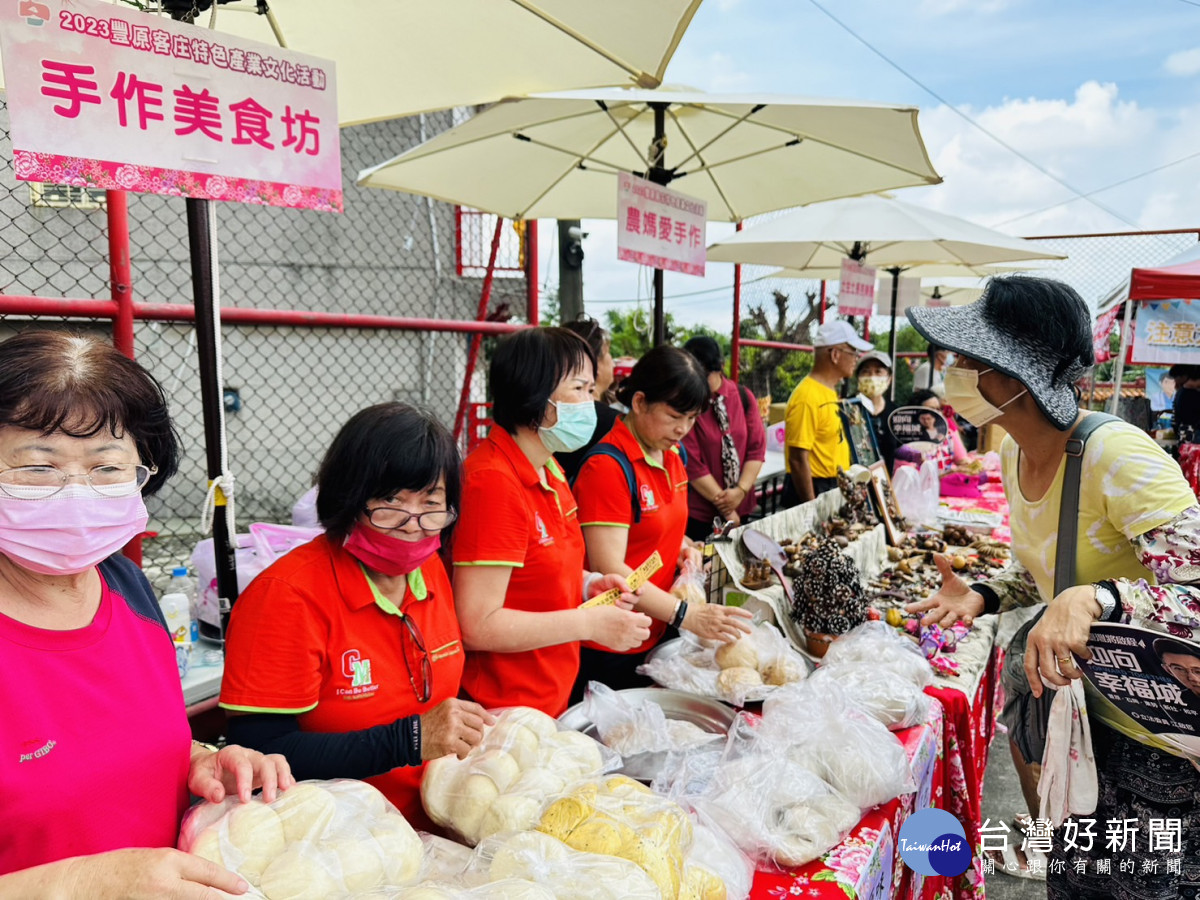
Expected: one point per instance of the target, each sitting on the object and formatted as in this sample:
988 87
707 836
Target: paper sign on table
635 580
104 96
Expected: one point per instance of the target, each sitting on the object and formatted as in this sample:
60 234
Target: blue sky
1094 92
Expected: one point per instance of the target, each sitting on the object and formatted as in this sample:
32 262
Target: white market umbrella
881 232
401 57
557 155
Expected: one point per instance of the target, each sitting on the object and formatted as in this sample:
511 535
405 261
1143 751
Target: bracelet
680 613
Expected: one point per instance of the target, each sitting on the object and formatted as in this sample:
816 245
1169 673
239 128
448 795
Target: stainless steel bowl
712 716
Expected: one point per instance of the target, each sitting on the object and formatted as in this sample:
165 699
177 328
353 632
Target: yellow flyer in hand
635 579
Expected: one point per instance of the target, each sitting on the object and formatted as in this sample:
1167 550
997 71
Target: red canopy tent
1176 279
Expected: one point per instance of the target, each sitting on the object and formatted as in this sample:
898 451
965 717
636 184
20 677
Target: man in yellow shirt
816 443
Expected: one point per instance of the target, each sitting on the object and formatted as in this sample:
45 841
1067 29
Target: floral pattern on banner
104 175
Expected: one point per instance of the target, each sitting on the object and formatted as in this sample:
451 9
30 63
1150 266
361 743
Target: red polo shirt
308 638
604 500
511 519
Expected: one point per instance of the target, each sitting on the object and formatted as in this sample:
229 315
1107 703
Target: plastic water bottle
178 605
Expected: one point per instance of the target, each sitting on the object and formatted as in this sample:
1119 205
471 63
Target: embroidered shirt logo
543 533
357 669
40 751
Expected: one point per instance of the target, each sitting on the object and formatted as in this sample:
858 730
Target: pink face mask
70 532
389 555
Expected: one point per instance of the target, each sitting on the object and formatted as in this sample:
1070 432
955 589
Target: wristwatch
1106 596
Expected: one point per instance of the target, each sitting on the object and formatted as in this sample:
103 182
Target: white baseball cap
879 356
838 331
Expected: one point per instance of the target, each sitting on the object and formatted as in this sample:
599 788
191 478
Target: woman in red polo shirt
665 392
346 654
519 579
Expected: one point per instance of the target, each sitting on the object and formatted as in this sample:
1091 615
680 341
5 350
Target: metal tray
711 715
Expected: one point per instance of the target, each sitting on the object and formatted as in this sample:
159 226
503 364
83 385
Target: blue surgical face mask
574 428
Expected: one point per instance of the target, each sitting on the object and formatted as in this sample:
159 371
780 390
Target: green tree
771 372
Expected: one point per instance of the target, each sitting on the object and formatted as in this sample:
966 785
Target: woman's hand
617 628
689 552
238 770
728 500
1063 630
954 601
717 623
628 598
142 873
453 726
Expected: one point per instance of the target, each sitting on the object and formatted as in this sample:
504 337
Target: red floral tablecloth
948 756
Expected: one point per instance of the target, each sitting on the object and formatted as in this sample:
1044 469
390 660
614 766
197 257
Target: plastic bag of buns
504 783
319 840
617 816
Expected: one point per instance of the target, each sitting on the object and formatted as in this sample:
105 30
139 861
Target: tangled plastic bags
564 871
617 816
500 890
714 868
689 584
778 812
320 840
504 783
882 673
818 728
632 727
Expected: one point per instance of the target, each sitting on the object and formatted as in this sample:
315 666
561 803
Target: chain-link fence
288 387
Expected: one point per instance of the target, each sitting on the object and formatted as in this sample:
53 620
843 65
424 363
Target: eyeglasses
390 519
40 482
416 661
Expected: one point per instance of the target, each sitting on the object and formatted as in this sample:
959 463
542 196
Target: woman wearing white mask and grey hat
1020 350
98 760
519 578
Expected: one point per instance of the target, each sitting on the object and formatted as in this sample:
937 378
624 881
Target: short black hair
668 375
73 383
918 397
1164 645
1045 313
592 332
526 368
382 450
708 351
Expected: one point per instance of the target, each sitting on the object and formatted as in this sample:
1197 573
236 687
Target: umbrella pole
659 175
204 259
892 336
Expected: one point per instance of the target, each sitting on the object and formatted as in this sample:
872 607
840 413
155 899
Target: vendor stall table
948 753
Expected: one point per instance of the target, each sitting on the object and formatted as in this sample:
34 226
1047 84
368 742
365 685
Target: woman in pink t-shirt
96 756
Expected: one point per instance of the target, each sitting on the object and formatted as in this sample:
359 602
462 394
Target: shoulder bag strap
1068 512
615 453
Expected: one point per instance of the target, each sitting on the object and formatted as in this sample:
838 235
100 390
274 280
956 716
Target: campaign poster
1146 685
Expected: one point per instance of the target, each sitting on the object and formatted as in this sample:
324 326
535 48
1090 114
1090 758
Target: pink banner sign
856 293
104 96
659 227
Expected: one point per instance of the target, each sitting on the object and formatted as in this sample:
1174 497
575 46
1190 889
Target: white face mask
962 393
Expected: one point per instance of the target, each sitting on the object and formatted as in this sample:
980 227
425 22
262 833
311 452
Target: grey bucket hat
972 332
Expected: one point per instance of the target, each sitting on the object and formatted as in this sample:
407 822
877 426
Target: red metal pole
821 312
735 340
485 296
120 271
867 327
776 345
120 279
531 272
13 304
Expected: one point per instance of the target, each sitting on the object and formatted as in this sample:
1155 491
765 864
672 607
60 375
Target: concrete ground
1002 798
1001 801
